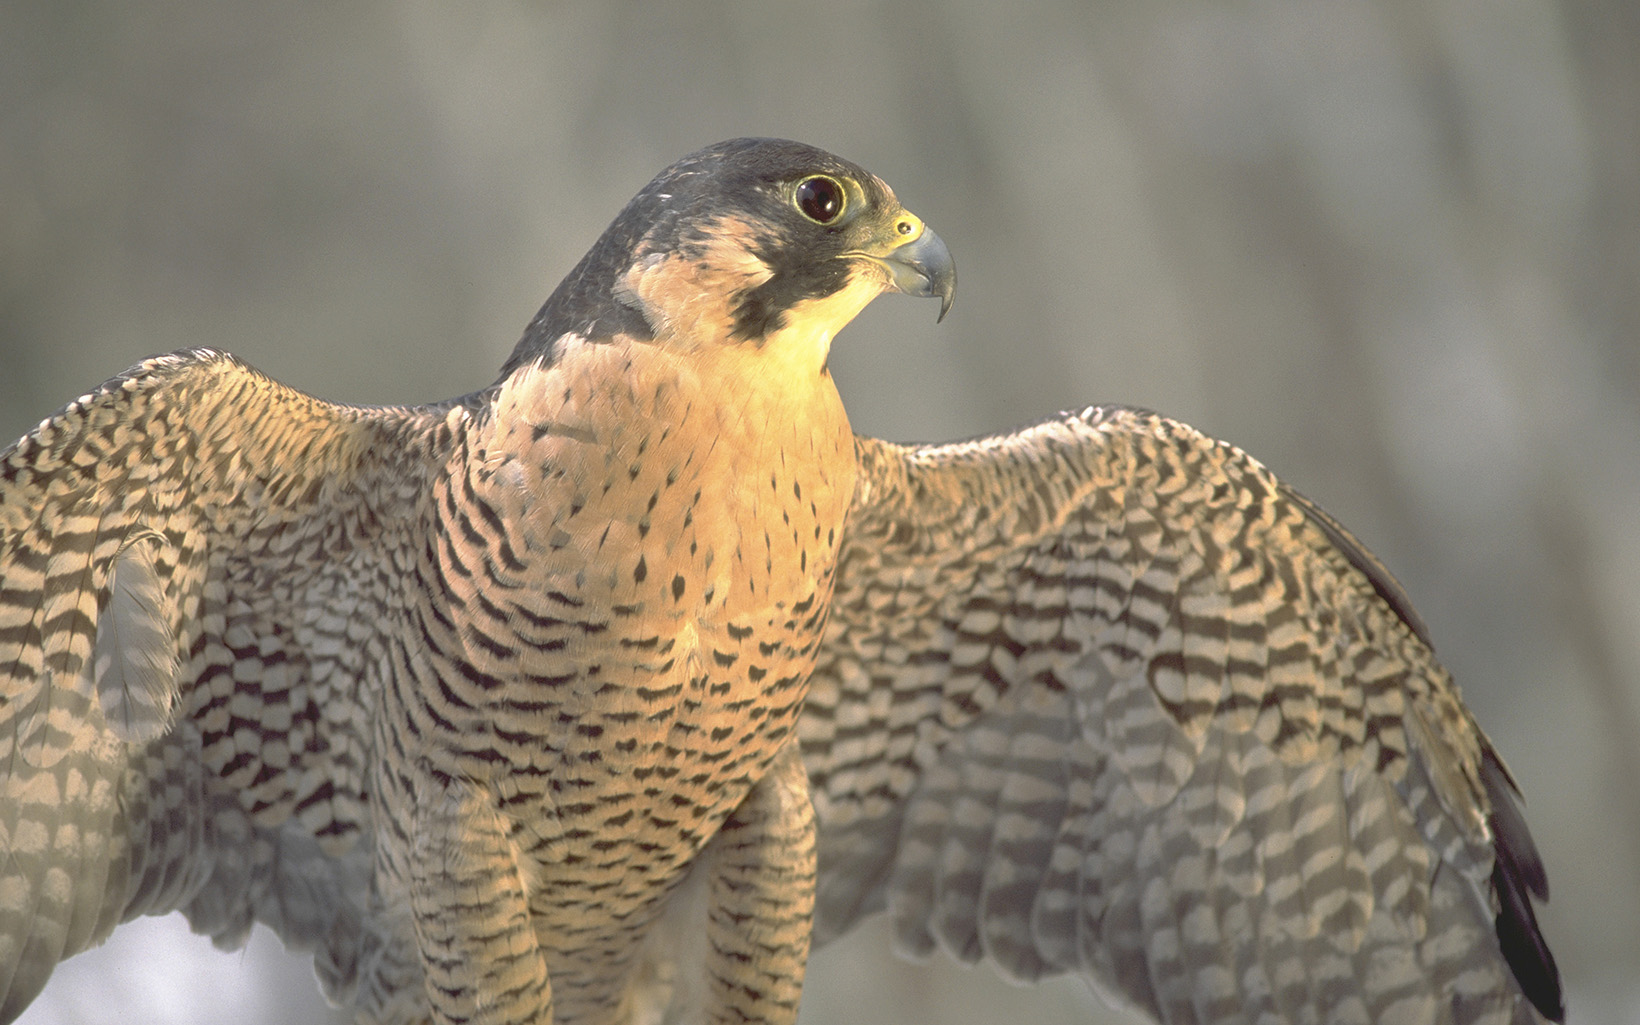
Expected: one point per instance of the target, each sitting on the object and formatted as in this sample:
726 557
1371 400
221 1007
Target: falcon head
748 242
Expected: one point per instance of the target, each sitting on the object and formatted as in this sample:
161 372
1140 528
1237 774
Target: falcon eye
820 199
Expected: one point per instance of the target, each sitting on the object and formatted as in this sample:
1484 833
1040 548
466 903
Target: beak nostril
922 266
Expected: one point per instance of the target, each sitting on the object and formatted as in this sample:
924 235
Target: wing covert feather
195 570
1105 697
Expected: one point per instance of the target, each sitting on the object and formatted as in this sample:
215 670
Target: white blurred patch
153 971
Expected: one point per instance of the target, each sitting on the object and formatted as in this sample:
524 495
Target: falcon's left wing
1105 697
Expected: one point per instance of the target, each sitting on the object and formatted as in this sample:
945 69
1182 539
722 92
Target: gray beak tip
925 268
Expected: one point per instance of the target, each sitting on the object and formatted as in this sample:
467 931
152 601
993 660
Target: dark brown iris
820 199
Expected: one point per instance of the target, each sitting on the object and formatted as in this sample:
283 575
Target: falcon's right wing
1105 697
197 566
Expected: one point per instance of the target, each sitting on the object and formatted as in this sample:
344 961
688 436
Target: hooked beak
923 267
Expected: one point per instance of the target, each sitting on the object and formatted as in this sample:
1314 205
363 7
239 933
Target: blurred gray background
1392 248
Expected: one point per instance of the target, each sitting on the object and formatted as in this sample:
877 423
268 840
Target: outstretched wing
197 567
1105 697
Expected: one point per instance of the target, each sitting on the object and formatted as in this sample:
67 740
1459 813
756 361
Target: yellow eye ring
820 198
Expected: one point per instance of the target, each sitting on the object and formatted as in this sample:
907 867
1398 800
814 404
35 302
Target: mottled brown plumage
498 705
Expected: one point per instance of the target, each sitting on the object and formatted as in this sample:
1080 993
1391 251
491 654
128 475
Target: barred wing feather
195 579
1105 697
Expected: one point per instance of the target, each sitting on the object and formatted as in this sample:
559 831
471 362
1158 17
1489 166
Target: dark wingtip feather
1517 870
1378 574
1517 875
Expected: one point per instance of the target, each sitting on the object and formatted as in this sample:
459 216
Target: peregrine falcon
592 696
